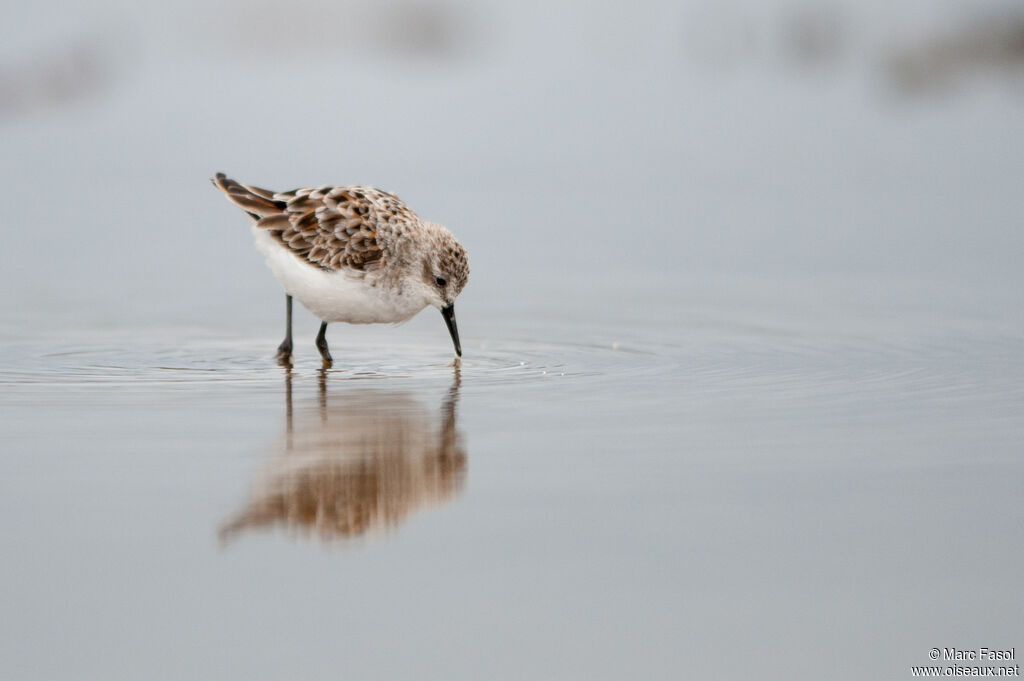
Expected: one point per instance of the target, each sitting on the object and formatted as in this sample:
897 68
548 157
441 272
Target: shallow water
681 502
742 392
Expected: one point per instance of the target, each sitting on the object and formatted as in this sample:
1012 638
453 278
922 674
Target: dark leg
321 344
284 350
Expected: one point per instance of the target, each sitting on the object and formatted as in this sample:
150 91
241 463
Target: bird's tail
255 201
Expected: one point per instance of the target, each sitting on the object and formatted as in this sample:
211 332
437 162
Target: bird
352 254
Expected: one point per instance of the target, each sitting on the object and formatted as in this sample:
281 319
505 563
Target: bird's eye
441 282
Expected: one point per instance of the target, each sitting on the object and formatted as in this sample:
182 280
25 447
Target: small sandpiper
352 254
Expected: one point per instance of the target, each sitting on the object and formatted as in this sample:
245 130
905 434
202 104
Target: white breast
334 296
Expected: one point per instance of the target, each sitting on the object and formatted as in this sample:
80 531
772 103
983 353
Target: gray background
744 344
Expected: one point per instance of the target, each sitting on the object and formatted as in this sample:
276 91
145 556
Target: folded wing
330 227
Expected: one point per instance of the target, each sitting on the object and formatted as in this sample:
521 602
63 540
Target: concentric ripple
774 375
149 360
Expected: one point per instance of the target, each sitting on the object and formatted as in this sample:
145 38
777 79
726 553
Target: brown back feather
329 227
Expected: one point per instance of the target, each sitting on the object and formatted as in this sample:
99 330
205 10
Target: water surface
744 342
663 492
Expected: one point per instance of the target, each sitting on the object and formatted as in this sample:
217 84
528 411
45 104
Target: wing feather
331 227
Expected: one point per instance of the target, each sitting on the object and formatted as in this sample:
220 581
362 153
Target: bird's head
443 273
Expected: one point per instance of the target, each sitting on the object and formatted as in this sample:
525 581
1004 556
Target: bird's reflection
357 461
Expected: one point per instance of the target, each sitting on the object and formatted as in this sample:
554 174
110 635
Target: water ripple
798 374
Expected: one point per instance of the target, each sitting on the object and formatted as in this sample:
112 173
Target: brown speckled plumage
330 227
353 254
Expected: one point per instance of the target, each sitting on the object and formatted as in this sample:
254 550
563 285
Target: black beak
449 318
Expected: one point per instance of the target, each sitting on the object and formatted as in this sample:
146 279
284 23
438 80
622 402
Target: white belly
333 296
